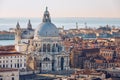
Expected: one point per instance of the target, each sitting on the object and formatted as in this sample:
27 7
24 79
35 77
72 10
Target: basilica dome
46 28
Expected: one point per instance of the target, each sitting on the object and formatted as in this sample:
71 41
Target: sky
60 8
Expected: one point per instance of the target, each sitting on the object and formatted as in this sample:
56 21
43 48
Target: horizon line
61 17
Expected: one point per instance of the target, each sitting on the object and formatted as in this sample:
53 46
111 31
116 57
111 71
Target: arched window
46 59
56 45
53 48
17 65
62 63
13 78
48 47
59 48
36 45
40 49
44 47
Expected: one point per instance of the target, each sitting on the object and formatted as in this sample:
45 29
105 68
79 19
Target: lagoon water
68 22
6 42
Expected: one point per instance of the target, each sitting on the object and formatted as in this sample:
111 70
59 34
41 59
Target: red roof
4 53
7 48
7 69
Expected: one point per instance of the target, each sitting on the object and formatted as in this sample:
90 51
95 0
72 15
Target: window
20 65
53 48
1 79
11 65
36 45
15 65
46 59
44 47
13 78
6 65
48 47
18 60
6 61
3 66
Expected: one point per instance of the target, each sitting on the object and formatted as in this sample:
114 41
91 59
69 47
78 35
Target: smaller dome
27 34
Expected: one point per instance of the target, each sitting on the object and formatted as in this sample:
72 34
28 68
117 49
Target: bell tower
17 34
29 26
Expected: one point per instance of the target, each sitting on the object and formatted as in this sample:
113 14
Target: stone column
51 47
56 48
58 63
67 63
41 47
46 47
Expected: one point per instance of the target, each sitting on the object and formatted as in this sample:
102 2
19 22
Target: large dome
46 28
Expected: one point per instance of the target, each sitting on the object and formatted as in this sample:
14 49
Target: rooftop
9 53
7 69
10 48
89 72
5 32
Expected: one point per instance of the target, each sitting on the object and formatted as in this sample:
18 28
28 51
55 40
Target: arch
62 63
23 69
53 48
56 45
59 48
40 65
46 59
36 44
12 74
44 47
48 47
13 78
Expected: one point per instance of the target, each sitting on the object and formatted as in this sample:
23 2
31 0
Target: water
6 23
6 42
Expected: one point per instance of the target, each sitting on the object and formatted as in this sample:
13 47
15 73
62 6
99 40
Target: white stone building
9 74
13 60
43 47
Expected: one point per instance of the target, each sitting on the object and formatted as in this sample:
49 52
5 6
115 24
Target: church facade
43 46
